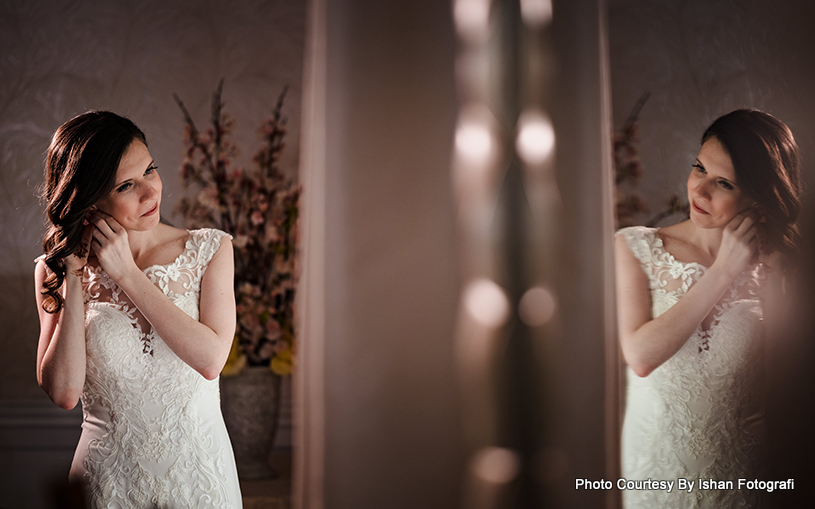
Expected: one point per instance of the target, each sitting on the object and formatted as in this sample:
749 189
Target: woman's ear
762 216
90 211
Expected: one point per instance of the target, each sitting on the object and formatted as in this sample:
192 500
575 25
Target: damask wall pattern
59 59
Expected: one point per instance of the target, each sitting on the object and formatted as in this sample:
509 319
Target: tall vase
250 402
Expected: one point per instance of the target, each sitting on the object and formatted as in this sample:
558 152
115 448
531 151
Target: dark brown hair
768 169
80 170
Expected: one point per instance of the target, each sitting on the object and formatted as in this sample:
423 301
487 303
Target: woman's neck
142 242
707 240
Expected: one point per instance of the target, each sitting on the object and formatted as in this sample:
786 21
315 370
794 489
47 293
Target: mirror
692 62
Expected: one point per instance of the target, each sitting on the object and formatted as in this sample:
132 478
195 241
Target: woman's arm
203 344
61 346
648 342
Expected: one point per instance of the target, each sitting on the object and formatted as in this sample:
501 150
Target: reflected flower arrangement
259 208
628 171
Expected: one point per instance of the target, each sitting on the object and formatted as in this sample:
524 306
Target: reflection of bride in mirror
690 315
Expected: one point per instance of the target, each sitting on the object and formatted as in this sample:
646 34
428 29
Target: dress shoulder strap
641 240
205 243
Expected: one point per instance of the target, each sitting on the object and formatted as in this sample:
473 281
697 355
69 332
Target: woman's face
136 197
713 193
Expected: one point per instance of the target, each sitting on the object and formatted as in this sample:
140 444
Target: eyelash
725 184
149 171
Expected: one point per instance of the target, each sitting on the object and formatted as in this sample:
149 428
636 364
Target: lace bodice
698 414
153 435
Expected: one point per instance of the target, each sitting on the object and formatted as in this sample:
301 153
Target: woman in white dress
136 320
691 299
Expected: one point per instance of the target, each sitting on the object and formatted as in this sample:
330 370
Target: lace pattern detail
698 414
157 437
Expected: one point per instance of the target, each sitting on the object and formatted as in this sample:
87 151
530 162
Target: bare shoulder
675 238
40 272
171 239
675 233
170 234
168 244
679 242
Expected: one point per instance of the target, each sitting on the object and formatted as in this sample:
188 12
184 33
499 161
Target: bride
691 299
136 320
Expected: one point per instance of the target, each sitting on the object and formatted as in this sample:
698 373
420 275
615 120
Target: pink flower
246 288
250 321
266 350
240 241
273 328
258 206
270 234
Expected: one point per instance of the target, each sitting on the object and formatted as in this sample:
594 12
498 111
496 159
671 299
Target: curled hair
768 169
80 170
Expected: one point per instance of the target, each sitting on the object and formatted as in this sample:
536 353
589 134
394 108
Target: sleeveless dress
699 414
152 432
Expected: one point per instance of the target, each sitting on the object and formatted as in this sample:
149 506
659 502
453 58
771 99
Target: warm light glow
536 138
486 302
536 13
496 465
473 140
537 306
472 19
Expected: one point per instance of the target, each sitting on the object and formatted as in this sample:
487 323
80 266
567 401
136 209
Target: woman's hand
739 245
112 247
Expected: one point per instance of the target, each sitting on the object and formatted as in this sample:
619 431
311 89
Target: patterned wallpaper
701 59
58 59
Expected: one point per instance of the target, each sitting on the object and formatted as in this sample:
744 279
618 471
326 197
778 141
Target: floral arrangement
259 208
628 171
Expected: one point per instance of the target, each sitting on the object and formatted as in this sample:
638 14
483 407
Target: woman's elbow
66 403
212 370
65 396
65 399
210 373
639 366
641 370
216 362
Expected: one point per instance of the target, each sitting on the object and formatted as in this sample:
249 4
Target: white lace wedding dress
698 415
153 434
